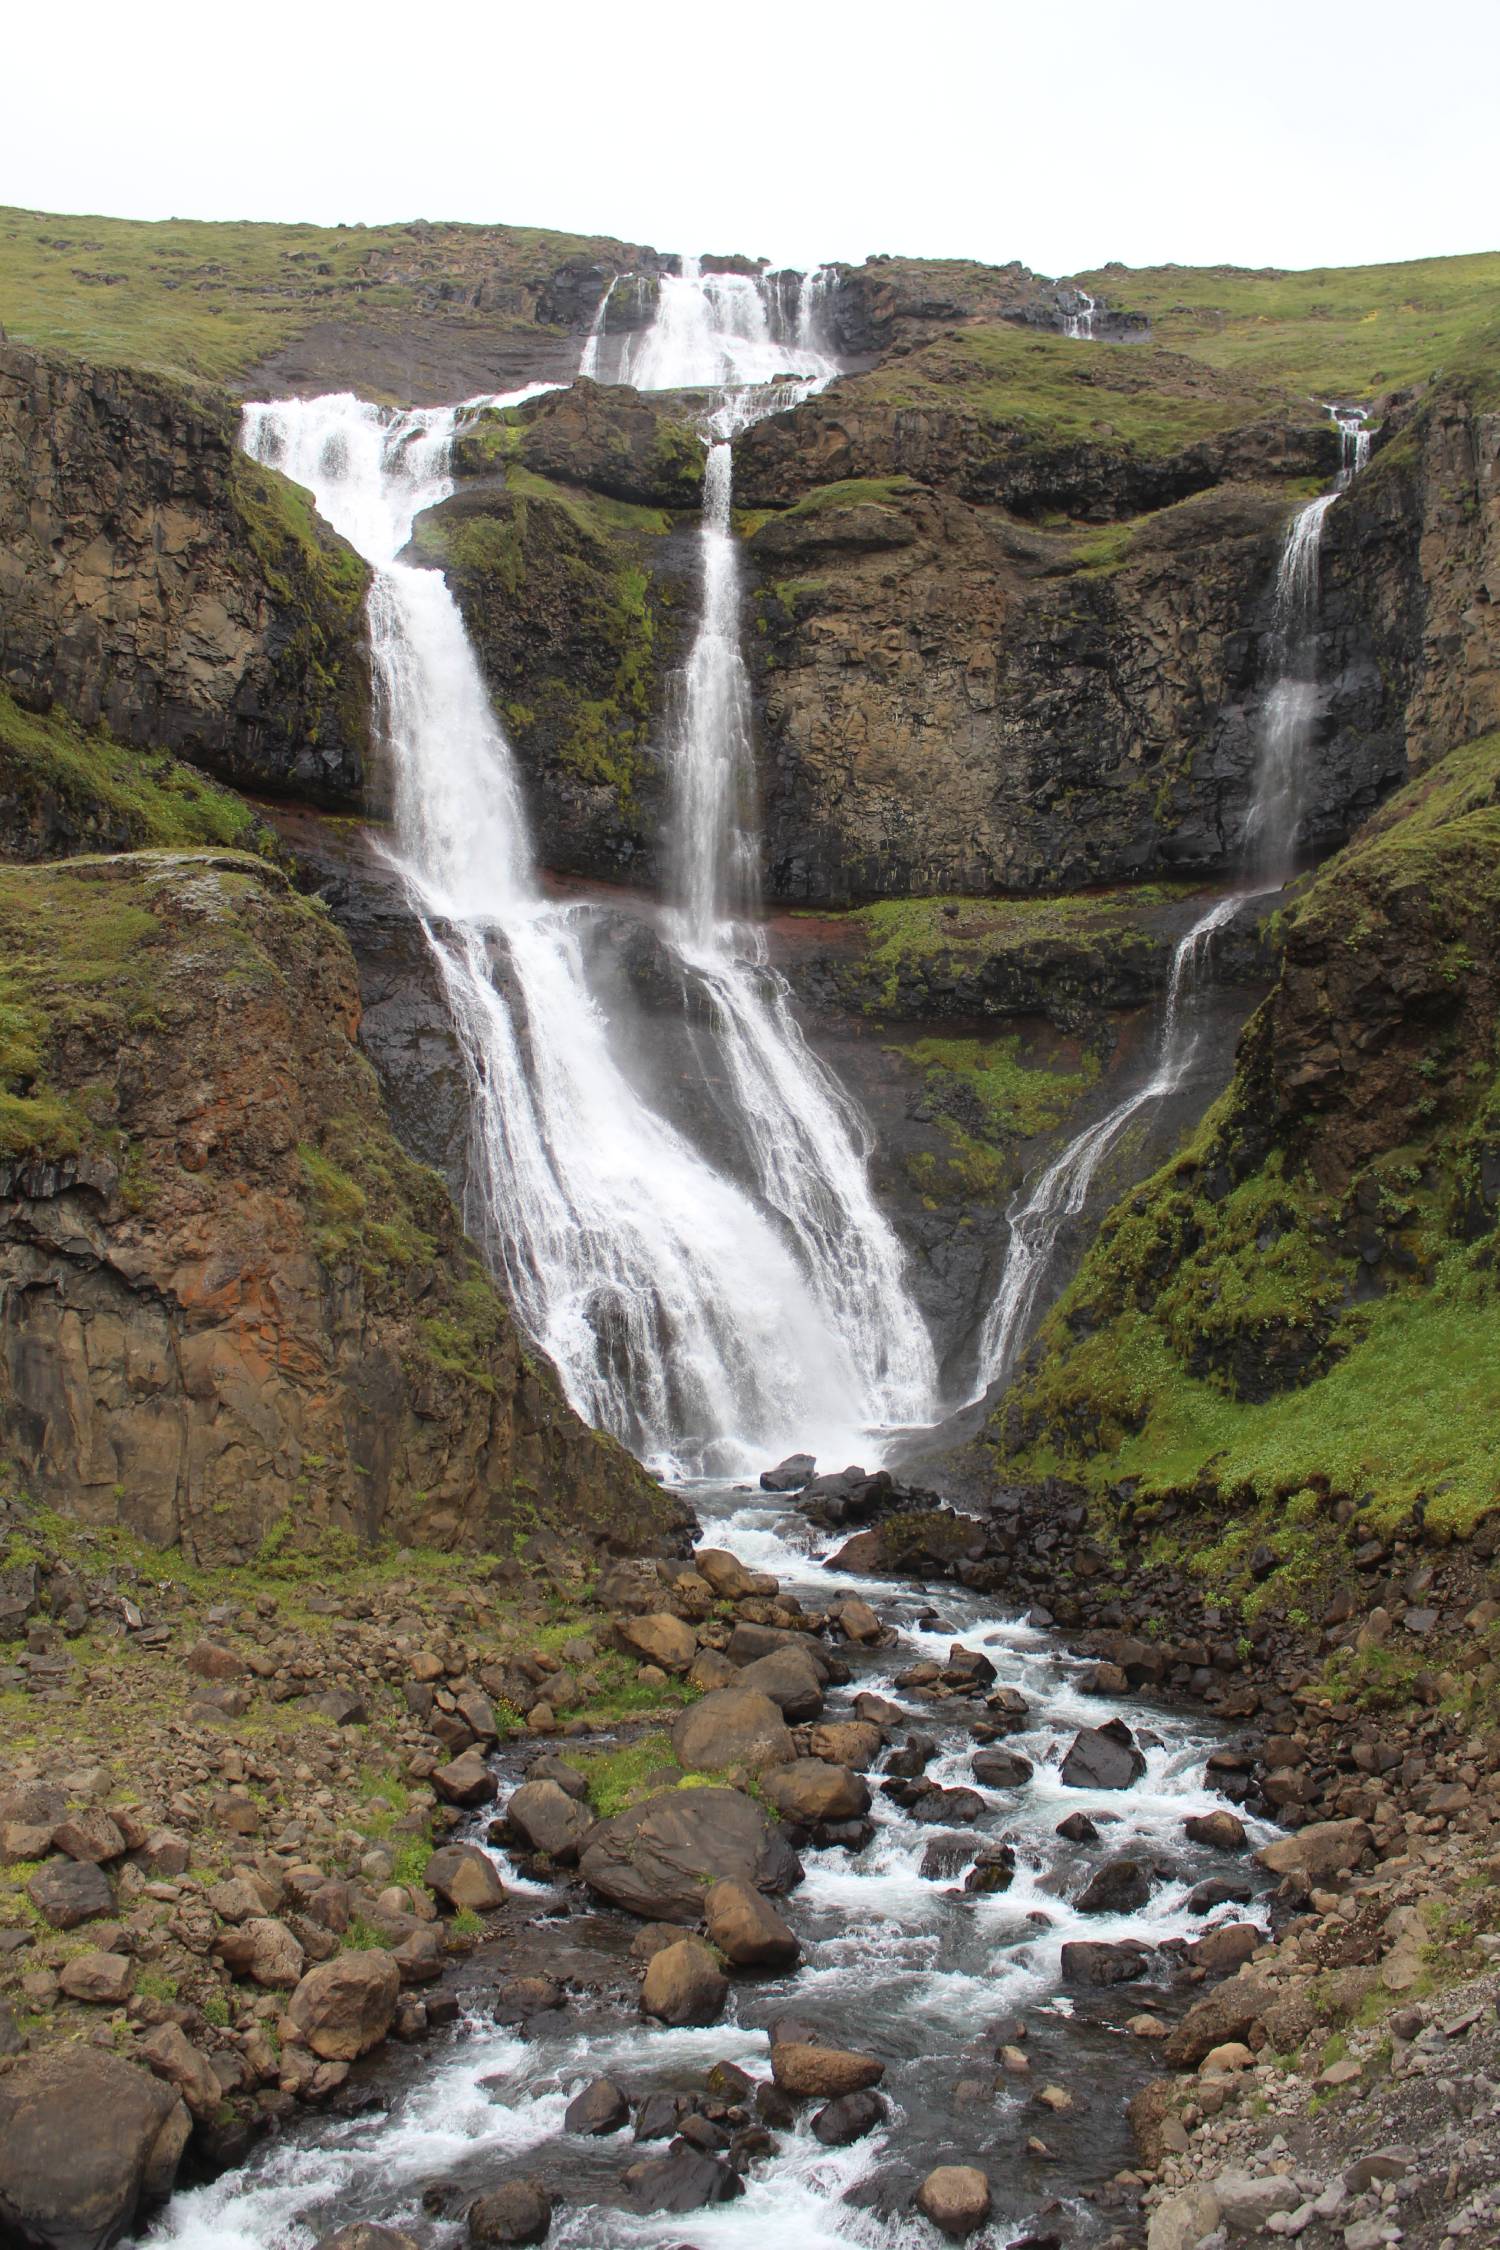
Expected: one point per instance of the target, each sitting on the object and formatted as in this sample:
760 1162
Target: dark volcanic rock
656 1858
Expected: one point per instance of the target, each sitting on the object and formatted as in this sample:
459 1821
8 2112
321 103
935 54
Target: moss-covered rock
578 606
64 789
646 449
154 579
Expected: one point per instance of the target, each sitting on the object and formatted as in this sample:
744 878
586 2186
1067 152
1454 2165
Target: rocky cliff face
154 579
229 1304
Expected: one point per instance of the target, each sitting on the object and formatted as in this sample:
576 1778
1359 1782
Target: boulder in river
466 1781
810 1791
683 2181
1077 1829
546 1819
734 1726
1120 1886
657 1858
684 1984
600 2108
1002 1769
808 2071
847 1742
747 1930
1084 1961
956 2198
518 2212
364 2235
1221 1831
86 2141
1103 1758
849 2119
790 1475
464 1876
993 1870
791 1679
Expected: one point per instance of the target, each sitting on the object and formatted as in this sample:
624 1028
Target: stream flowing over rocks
930 1985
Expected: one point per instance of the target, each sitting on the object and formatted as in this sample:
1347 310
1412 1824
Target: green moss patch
57 776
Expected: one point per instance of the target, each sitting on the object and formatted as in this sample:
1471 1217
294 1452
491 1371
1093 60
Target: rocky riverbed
502 1900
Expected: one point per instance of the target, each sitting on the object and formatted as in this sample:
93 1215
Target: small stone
102 1979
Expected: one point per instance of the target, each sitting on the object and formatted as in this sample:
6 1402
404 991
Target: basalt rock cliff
230 1305
155 579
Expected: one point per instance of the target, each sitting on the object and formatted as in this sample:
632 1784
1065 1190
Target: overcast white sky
1264 134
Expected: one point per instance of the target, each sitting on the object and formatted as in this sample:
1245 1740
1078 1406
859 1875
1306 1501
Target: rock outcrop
231 1305
154 578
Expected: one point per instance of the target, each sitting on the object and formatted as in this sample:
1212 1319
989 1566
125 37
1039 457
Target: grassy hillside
1305 1299
210 300
1348 331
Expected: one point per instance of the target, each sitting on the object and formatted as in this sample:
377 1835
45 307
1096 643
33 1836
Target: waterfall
804 1143
1080 324
1290 709
717 331
1063 1188
589 363
1286 724
678 1308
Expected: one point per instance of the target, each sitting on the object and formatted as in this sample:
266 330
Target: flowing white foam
678 1309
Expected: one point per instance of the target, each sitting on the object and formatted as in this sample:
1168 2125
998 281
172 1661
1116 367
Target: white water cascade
675 1307
589 363
1063 1188
1290 708
1286 722
806 1146
1080 324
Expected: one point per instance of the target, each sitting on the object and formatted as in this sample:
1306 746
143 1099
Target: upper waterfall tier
714 331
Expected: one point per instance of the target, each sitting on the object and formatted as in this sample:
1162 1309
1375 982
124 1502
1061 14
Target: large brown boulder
657 1858
1316 1854
658 1639
1234 2010
791 1679
466 1781
810 2072
344 2007
464 1876
546 1819
812 1790
87 2142
747 1930
847 1742
69 1892
684 1984
734 1726
956 2198
264 1950
172 2055
731 1579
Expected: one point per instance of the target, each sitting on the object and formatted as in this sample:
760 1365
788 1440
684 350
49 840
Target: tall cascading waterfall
676 1308
1286 722
805 1143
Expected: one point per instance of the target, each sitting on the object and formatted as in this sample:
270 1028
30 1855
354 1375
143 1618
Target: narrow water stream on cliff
897 1961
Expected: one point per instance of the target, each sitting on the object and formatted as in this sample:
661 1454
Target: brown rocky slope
232 1306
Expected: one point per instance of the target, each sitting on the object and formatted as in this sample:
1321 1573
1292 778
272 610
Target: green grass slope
1305 1298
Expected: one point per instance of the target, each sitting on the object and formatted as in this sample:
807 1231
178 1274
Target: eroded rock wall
154 578
229 1304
